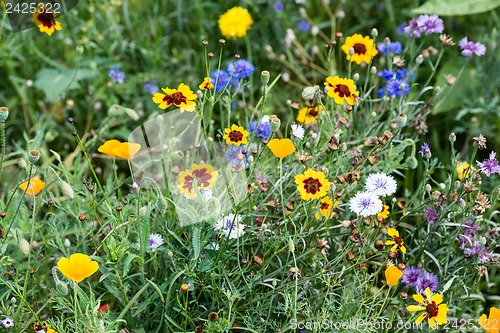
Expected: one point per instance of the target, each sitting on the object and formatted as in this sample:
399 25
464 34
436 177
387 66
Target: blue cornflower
397 84
151 87
262 129
386 74
278 6
397 88
303 26
221 79
116 75
392 48
427 280
240 69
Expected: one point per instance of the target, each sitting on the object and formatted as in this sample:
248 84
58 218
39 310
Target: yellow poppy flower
235 22
312 184
203 174
36 186
364 48
309 116
182 97
281 148
206 84
433 308
78 267
108 147
392 275
491 324
45 20
384 213
236 135
396 241
341 90
463 170
127 150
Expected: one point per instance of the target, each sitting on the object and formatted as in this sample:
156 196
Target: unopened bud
453 137
401 119
4 114
33 156
351 51
264 77
412 162
374 32
24 246
22 163
355 77
67 190
373 70
67 243
419 59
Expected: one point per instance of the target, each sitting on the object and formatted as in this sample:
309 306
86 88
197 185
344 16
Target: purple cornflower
234 155
489 166
427 280
430 216
412 29
259 178
469 228
221 79
116 75
262 129
430 24
425 150
303 26
470 48
392 48
485 256
151 87
240 69
411 275
278 6
473 250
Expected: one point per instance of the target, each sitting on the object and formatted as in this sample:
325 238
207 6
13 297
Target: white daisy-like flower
231 226
155 241
298 131
365 204
381 184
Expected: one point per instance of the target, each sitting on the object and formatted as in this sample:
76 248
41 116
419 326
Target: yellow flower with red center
433 308
182 97
35 186
281 148
325 207
312 184
463 170
206 84
491 324
78 267
384 213
392 275
309 116
44 18
39 327
115 148
341 90
364 48
203 176
396 241
235 22
236 135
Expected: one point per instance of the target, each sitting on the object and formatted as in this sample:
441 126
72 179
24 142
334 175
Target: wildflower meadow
249 166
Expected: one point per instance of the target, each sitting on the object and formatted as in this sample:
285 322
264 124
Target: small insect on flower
182 97
45 20
236 135
364 48
312 184
35 186
341 90
78 267
396 241
235 22
433 308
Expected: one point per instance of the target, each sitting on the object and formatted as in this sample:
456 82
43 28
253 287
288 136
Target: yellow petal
108 147
392 232
65 267
437 298
392 275
428 294
36 186
281 147
78 267
158 98
442 311
403 248
421 318
420 299
432 322
415 308
127 150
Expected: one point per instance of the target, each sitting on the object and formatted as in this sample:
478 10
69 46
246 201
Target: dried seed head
222 41
204 43
479 141
446 40
213 316
379 245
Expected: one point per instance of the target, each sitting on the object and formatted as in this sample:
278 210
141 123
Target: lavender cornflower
392 48
151 87
489 166
427 280
261 129
485 256
278 6
303 26
430 24
240 69
425 150
430 216
412 29
470 48
411 275
116 75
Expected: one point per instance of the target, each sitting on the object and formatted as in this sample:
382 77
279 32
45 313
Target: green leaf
128 261
456 7
196 242
53 82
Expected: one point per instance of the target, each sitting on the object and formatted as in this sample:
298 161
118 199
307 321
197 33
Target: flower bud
67 190
419 59
355 77
67 243
22 163
314 30
4 114
264 77
374 32
33 156
453 137
401 120
309 93
412 162
24 246
428 187
373 70
275 123
351 51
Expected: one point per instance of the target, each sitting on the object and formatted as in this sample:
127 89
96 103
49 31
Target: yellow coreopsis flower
281 148
491 324
44 18
236 135
325 207
235 22
434 308
206 84
78 267
203 175
312 184
396 241
364 48
309 116
341 90
182 97
384 213
392 275
36 186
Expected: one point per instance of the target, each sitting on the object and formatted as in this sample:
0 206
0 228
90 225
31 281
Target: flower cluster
414 276
116 75
427 24
368 202
396 83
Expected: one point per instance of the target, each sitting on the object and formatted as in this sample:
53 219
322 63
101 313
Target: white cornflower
231 226
298 131
381 184
155 241
365 204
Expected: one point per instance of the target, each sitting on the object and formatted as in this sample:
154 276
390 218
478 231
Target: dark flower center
312 185
432 309
313 112
398 240
47 19
359 48
342 90
202 178
177 98
235 136
324 205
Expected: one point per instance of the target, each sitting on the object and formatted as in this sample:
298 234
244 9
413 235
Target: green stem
2 146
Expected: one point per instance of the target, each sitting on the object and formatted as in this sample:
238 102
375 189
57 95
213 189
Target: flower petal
420 299
415 308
